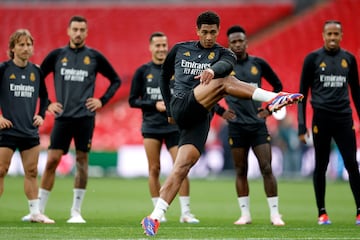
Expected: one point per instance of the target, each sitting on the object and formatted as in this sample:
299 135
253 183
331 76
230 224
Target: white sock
160 209
43 199
154 200
262 95
244 204
34 206
273 205
184 204
77 200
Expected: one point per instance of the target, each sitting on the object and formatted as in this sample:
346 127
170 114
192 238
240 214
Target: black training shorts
22 143
170 139
187 111
65 129
193 120
248 135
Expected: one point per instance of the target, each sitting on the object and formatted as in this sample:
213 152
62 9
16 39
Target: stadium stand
285 47
120 31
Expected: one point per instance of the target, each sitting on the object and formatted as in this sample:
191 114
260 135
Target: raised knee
220 85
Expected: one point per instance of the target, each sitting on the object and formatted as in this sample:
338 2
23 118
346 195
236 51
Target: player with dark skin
247 130
201 70
145 94
329 73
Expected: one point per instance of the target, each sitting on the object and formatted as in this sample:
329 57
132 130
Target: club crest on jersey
12 76
64 61
323 66
149 77
254 70
344 63
315 129
32 77
86 60
211 56
231 141
187 54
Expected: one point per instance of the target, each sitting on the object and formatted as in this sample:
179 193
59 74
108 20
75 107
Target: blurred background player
21 84
329 72
247 130
75 67
201 70
145 94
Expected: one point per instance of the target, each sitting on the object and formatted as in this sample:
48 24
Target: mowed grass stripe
114 207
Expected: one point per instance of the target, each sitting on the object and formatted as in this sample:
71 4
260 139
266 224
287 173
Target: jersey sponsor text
21 90
74 74
193 68
332 80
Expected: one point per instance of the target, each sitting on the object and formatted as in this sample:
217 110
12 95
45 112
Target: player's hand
160 106
38 121
55 108
93 104
171 120
205 76
5 123
229 114
304 137
263 113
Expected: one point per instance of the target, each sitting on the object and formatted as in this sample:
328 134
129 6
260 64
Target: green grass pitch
114 207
